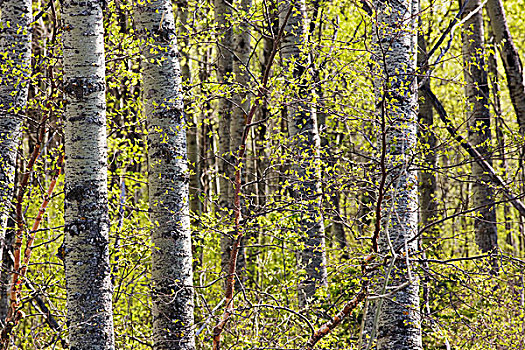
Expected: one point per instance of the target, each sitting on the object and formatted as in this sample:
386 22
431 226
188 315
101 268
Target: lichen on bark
168 178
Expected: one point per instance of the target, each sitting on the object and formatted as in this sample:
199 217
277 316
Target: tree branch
473 152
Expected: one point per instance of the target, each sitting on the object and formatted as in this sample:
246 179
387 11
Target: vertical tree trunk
500 136
87 268
7 267
241 55
427 182
223 13
394 321
510 57
192 133
478 114
240 99
15 42
304 133
172 273
233 53
332 195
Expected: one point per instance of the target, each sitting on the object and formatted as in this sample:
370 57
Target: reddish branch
29 244
474 153
350 306
230 279
20 225
337 319
19 271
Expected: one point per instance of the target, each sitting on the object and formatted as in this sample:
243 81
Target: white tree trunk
302 124
478 114
394 321
89 288
168 178
15 41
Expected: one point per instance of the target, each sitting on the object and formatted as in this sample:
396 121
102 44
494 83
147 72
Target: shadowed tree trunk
478 114
86 242
241 49
224 72
513 68
304 133
500 136
15 42
172 273
394 322
427 182
230 114
510 57
241 55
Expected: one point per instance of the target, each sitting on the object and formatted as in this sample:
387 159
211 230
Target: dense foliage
465 302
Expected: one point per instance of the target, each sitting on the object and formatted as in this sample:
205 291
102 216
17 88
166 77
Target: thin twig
19 271
230 279
473 152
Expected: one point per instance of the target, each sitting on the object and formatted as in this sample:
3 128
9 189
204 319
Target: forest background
291 156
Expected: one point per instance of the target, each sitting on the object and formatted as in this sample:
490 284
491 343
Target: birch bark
168 178
393 321
478 114
304 133
87 269
15 68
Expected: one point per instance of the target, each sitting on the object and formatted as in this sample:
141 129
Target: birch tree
15 46
303 130
478 115
172 274
393 319
86 242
